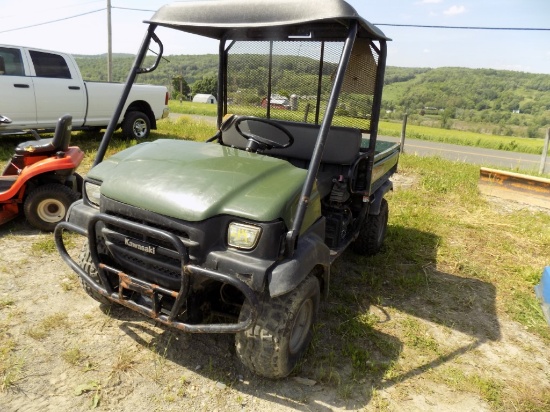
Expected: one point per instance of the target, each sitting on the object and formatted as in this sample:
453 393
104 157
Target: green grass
11 364
45 246
6 303
491 390
73 356
43 329
186 127
452 259
464 138
193 108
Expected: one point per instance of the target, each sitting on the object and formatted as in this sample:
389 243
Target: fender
310 252
79 214
374 208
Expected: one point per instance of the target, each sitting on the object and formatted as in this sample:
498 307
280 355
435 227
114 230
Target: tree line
508 99
500 97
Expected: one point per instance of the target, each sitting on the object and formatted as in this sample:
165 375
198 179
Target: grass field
463 138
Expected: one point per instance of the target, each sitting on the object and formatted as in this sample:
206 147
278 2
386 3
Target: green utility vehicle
238 234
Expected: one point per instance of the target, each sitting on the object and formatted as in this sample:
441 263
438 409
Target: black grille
162 263
162 267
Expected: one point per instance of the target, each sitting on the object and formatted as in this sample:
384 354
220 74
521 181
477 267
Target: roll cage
231 21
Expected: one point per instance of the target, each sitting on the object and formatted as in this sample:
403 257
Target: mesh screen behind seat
292 80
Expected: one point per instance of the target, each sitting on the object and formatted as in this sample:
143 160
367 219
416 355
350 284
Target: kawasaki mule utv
237 234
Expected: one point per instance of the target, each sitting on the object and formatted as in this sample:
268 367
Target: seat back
58 143
62 136
341 148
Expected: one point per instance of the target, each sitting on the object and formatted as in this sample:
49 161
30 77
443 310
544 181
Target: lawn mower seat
58 143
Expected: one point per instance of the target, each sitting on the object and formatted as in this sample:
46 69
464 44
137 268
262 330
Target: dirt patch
514 205
448 350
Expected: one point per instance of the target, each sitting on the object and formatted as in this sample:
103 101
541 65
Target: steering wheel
256 142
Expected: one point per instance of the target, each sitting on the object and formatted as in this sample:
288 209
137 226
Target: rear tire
372 232
85 262
283 330
47 205
136 125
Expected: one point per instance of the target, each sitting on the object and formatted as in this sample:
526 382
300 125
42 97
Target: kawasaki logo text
143 248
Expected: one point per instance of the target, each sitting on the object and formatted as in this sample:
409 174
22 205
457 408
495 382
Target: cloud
430 1
454 10
426 51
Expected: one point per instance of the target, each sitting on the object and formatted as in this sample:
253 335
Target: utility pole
109 44
403 132
544 152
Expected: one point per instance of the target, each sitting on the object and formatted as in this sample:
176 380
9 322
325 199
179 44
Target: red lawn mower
40 179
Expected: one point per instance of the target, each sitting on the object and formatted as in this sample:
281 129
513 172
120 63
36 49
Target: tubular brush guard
150 290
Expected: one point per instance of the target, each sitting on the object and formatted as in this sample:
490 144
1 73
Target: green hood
195 181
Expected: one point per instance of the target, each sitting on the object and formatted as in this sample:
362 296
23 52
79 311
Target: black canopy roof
218 18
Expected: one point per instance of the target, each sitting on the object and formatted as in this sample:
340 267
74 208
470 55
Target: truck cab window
50 65
11 63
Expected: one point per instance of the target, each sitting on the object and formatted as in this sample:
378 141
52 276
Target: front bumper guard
150 290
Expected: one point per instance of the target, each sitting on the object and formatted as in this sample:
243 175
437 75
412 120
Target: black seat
58 143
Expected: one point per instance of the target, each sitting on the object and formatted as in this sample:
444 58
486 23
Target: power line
53 21
128 8
73 17
464 27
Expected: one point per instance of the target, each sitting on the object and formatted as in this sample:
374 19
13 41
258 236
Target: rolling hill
516 103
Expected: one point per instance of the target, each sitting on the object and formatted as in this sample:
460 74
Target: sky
82 29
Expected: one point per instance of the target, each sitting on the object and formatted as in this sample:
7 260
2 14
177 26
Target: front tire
136 125
283 330
47 205
86 263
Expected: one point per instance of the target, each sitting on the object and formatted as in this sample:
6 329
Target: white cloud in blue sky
511 50
454 10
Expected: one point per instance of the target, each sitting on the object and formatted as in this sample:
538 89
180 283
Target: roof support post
293 233
125 92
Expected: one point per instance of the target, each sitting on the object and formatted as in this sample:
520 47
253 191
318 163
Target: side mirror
157 60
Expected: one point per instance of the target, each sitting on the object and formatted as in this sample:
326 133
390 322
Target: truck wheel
85 261
283 330
136 125
47 205
372 232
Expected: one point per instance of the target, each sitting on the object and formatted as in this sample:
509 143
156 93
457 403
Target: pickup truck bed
386 156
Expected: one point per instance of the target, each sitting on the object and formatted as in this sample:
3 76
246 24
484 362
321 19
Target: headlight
92 192
243 236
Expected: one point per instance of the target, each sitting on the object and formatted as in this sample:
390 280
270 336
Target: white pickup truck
38 86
